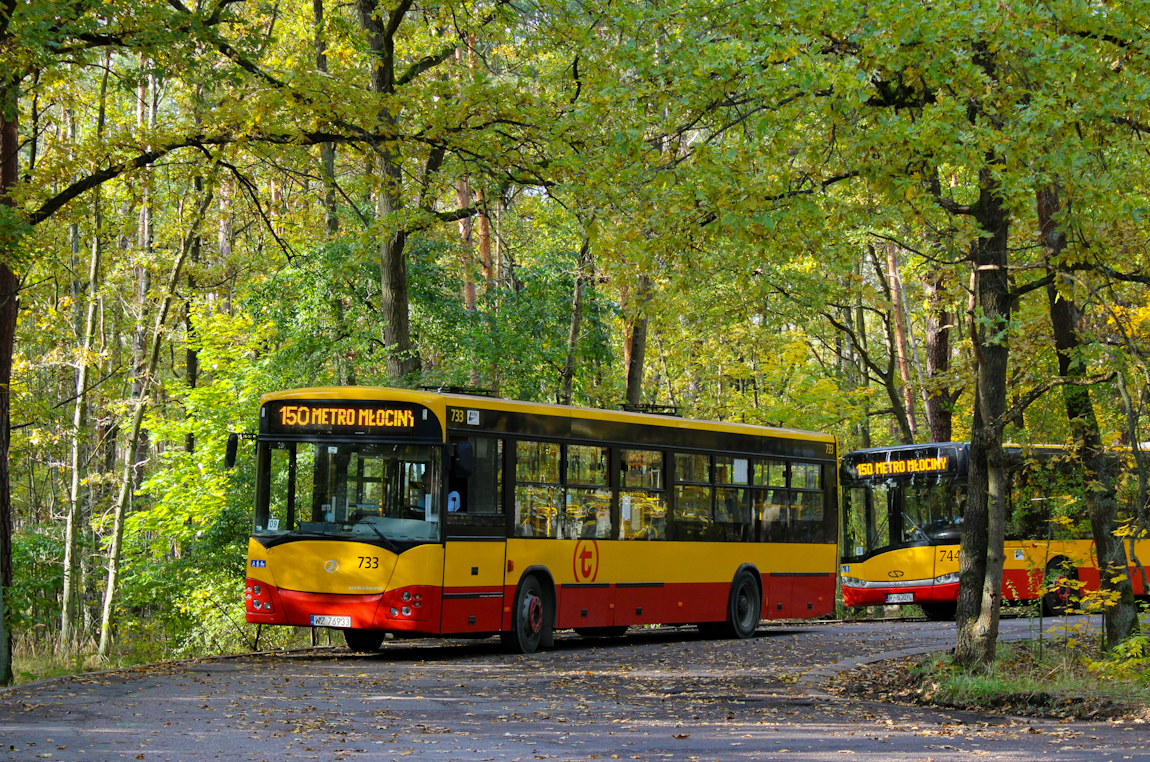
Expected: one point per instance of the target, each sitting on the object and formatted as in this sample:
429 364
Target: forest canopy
893 222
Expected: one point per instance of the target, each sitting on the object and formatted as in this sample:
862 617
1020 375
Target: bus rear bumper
876 595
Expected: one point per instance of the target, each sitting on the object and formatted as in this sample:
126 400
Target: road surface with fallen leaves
656 694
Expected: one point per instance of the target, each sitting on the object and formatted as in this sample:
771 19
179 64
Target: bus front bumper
884 594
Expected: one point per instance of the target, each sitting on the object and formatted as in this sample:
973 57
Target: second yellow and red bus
902 522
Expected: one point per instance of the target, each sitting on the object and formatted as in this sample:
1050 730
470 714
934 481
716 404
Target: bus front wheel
528 618
939 612
363 641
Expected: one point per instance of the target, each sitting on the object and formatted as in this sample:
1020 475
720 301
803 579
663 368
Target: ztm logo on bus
586 561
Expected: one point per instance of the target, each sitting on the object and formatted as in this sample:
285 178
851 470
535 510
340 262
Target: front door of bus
476 544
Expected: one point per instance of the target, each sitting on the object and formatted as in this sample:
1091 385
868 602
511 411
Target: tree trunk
9 307
635 343
582 273
402 359
466 266
483 234
980 600
901 327
327 150
940 400
127 476
1121 619
73 587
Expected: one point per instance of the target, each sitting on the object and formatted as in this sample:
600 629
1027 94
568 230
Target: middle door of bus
475 555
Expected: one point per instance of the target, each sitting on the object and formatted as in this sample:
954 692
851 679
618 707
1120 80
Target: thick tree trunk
1121 619
402 359
978 627
9 307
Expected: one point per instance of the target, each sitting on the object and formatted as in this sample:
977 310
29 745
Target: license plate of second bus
319 620
900 598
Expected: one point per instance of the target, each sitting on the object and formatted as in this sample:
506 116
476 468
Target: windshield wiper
386 542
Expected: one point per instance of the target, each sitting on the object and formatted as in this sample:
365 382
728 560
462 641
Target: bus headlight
853 582
946 579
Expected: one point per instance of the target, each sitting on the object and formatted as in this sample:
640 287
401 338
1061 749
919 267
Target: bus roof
431 399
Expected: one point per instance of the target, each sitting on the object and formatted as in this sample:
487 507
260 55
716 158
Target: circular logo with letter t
331 566
586 561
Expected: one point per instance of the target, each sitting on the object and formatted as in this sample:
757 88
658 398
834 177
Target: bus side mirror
230 451
462 460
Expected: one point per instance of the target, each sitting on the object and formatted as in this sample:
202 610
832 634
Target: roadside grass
1061 677
38 656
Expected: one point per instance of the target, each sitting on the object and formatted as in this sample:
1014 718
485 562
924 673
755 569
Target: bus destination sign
362 417
304 415
907 466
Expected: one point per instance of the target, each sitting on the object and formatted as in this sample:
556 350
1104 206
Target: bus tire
744 607
529 618
939 612
363 641
602 632
1062 597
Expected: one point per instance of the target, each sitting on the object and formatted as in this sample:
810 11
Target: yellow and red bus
902 520
384 510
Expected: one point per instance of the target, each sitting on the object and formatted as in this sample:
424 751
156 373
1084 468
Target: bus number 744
947 555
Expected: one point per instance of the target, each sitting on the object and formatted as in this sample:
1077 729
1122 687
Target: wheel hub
533 614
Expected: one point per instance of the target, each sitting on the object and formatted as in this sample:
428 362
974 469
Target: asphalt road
653 695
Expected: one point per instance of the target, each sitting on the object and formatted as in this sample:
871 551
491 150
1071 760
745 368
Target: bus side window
642 495
538 492
588 497
732 509
693 516
481 493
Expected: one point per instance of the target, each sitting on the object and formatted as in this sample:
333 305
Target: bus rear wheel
363 641
1061 585
939 612
743 608
528 618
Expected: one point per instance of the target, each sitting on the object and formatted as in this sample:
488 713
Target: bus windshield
386 492
884 514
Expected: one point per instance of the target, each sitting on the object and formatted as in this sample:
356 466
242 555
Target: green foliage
1129 661
38 575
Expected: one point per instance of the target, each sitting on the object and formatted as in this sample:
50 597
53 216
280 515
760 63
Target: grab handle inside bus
462 460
